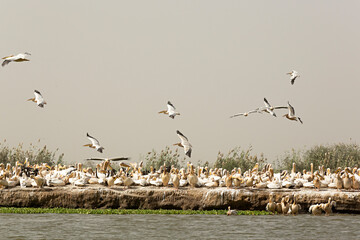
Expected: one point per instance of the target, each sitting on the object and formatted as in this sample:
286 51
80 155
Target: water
79 226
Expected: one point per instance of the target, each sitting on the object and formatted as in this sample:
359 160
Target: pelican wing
245 113
96 159
93 140
170 106
38 97
185 143
267 104
119 159
291 110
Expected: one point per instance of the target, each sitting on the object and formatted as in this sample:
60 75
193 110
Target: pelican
269 108
94 143
291 114
21 57
184 143
293 75
245 114
38 99
170 111
231 212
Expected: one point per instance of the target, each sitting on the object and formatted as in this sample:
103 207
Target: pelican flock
132 174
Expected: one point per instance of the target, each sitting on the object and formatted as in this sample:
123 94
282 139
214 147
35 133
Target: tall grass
239 158
331 156
167 156
35 154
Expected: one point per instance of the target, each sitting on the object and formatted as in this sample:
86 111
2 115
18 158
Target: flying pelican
170 111
291 114
245 114
38 99
94 143
184 143
269 109
21 57
293 75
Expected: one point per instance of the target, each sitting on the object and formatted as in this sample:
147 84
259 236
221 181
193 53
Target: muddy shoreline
92 197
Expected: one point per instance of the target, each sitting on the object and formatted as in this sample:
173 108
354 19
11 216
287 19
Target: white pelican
245 114
291 114
38 99
269 108
94 143
21 57
184 143
293 75
170 111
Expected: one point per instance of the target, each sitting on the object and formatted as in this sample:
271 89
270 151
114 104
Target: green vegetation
167 156
238 158
331 156
35 154
121 211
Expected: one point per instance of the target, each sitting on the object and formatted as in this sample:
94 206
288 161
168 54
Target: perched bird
315 209
291 114
184 143
271 205
170 111
21 57
293 75
94 143
38 99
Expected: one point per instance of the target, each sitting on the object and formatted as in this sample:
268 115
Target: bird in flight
269 108
293 75
21 57
170 110
38 99
184 143
245 114
291 114
94 143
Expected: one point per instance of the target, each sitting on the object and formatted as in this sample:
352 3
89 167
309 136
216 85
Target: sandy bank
168 198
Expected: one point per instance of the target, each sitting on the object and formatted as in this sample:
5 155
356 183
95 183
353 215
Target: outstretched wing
185 143
93 140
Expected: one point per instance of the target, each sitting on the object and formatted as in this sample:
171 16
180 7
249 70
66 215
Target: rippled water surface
79 226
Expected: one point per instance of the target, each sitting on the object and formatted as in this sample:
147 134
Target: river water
80 226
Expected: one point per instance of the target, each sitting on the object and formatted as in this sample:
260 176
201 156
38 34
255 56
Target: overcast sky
108 67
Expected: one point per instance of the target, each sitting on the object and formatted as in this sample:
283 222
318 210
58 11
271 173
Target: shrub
331 156
34 154
238 158
166 156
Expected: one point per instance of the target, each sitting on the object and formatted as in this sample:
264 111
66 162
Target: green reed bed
121 211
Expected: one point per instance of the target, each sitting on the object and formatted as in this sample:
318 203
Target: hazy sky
108 67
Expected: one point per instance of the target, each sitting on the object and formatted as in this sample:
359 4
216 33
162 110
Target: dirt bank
169 198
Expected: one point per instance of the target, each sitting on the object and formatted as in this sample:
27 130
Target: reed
121 211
